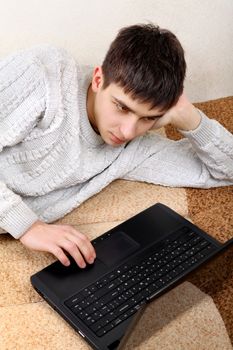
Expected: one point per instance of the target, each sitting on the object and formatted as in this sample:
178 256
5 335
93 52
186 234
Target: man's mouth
116 139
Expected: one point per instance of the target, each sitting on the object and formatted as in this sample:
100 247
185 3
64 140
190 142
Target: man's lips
115 139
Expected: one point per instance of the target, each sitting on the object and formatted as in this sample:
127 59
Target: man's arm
204 158
22 100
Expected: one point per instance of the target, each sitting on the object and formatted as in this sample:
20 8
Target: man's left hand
183 116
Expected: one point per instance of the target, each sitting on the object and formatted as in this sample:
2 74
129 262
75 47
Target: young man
66 132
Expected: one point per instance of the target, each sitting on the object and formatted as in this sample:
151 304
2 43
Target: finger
84 245
163 121
71 230
73 249
85 248
60 255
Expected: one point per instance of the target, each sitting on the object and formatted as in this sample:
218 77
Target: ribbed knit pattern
51 159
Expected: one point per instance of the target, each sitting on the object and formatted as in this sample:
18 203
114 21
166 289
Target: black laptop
137 261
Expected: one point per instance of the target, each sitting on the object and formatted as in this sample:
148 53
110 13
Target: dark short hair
148 63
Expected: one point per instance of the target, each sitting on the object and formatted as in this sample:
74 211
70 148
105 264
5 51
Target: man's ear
97 79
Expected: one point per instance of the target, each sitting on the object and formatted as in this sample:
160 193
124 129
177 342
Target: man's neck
90 108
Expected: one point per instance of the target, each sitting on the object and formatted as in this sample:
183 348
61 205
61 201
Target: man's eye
121 108
153 118
149 119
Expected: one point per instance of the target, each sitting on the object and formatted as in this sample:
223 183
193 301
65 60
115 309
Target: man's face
115 115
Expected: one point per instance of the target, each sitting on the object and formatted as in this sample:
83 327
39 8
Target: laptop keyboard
118 295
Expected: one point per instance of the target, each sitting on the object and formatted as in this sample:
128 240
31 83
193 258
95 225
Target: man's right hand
59 239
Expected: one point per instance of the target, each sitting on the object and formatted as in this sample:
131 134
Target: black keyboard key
101 332
74 300
95 327
109 327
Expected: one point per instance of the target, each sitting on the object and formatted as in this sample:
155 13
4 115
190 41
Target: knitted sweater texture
51 160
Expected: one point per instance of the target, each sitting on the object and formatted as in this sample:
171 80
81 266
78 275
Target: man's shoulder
42 52
48 50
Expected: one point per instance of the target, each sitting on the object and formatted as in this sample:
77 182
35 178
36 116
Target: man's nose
128 130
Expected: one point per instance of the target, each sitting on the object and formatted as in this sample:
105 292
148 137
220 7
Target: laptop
136 334
137 261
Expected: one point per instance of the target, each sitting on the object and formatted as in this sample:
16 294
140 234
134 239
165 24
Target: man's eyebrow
131 110
123 104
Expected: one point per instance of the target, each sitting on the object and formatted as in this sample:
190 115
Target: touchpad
115 248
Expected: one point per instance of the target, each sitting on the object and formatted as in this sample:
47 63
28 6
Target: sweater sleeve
22 95
15 216
204 158
22 100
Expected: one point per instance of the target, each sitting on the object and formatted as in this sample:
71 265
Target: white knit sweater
51 160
